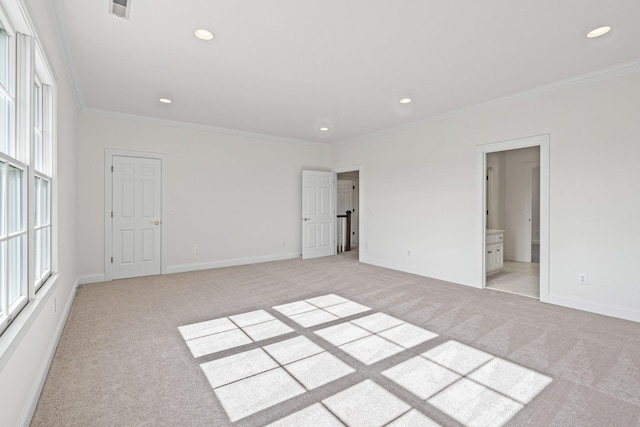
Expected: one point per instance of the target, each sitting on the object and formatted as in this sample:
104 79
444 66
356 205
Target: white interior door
136 211
318 214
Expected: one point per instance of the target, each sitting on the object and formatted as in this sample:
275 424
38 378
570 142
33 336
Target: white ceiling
287 67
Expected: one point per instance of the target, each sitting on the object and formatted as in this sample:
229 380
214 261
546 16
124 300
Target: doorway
513 191
135 195
320 207
348 192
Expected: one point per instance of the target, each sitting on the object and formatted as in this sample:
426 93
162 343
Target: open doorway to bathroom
512 242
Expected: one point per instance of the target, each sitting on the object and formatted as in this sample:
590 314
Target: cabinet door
490 259
499 257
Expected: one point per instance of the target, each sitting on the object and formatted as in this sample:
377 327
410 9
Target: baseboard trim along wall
229 263
93 278
36 389
416 271
606 310
185 268
590 307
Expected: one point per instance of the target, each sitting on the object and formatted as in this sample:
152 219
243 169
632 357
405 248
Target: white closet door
136 209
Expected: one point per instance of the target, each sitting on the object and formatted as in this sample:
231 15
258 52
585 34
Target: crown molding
58 14
202 128
580 80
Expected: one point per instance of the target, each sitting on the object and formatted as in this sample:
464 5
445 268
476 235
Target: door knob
155 222
306 219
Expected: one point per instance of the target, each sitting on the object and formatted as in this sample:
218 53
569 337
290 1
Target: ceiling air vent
120 8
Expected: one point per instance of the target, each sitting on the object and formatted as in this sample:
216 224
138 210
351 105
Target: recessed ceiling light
405 100
165 100
598 32
203 34
324 129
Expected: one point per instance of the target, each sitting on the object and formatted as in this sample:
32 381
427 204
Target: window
26 171
13 175
41 159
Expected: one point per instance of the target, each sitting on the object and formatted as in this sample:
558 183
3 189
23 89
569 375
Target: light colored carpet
123 362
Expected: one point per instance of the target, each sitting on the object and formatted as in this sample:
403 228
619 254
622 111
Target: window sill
13 335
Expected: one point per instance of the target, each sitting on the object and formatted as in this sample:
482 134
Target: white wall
418 189
23 371
235 197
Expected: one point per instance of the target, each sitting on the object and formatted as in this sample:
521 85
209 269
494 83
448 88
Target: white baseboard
591 307
36 388
416 271
93 278
606 310
229 263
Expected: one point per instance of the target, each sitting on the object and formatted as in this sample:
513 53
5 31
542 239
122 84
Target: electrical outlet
409 252
196 250
583 279
282 243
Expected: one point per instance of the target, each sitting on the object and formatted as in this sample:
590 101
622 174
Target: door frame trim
109 153
541 141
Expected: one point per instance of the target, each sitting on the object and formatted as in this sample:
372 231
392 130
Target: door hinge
111 214
111 260
354 187
112 169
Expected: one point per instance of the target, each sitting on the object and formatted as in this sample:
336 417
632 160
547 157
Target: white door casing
136 217
318 214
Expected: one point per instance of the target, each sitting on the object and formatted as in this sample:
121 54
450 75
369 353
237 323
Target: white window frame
40 275
12 158
28 67
10 310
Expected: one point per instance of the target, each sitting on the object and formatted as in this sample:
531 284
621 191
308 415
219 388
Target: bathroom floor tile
218 342
315 415
475 405
312 318
347 309
377 322
407 335
263 331
414 418
318 370
208 327
366 404
251 318
515 381
457 357
236 367
293 349
342 333
371 349
421 377
250 395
